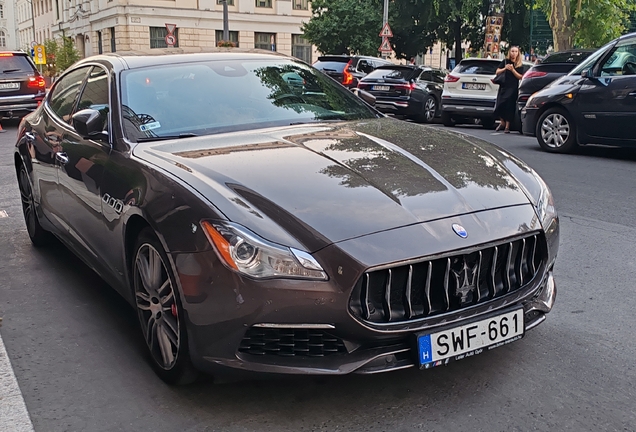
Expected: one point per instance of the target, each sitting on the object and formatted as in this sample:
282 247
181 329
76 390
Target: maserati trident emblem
460 231
465 281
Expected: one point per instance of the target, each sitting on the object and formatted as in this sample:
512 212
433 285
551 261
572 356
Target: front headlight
243 251
545 204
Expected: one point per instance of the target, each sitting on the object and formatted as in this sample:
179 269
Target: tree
60 53
345 27
597 22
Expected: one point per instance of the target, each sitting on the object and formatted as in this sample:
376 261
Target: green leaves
599 21
345 26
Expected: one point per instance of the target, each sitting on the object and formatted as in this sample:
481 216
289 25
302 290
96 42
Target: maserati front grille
446 284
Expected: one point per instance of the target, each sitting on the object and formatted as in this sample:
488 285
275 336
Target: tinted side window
65 93
95 94
426 76
438 77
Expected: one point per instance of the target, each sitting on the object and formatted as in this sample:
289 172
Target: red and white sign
386 45
386 31
171 39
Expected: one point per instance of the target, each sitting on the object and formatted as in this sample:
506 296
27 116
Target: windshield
219 96
15 63
589 62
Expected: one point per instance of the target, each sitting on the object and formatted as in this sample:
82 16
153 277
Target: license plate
381 88
465 341
473 86
6 86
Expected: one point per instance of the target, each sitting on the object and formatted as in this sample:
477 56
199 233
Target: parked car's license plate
381 88
5 86
470 339
473 86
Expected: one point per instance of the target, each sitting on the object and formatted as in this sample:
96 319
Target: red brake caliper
174 310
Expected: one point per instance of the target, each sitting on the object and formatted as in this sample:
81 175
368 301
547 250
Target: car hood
314 184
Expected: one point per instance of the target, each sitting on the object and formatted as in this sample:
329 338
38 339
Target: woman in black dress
512 67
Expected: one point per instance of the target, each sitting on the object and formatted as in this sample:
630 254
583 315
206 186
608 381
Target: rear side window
95 94
405 74
15 63
331 66
477 67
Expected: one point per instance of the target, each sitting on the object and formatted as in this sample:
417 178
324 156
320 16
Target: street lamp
226 30
32 18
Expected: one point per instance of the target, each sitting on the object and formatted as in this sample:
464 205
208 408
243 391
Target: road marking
14 416
3 214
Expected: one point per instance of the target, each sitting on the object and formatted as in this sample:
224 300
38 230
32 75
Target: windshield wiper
166 137
11 70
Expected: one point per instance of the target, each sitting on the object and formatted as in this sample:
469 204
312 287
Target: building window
3 40
229 2
301 4
1 11
158 37
265 41
301 48
233 37
113 48
264 3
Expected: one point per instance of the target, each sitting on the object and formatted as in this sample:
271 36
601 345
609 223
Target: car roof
162 56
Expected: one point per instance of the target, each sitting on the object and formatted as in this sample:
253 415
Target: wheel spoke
166 284
150 332
154 271
168 320
165 346
144 273
143 301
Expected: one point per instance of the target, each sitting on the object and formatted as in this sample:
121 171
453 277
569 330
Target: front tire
447 119
160 313
556 132
38 235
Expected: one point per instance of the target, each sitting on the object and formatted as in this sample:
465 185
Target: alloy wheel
555 130
429 109
157 307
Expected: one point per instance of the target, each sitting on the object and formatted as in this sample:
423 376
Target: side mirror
89 124
587 73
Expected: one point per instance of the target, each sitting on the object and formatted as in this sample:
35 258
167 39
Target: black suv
410 91
594 104
22 88
348 70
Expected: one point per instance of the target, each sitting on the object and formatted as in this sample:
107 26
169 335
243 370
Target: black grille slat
290 343
447 284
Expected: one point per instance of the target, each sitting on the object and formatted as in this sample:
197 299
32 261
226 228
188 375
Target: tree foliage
345 27
61 53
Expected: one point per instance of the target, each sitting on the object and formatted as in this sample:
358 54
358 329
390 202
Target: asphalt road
80 362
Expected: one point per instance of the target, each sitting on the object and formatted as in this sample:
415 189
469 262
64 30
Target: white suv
469 93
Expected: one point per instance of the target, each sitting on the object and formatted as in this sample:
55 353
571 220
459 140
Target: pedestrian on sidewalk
512 69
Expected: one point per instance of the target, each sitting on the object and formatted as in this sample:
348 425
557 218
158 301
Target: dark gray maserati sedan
261 218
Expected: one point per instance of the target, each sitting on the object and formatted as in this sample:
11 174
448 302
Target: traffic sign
40 54
33 44
171 28
386 46
386 31
171 40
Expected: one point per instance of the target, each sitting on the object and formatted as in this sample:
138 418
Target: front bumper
222 308
529 121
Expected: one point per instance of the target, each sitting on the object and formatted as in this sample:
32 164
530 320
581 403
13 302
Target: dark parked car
550 68
257 224
594 104
410 91
22 87
348 70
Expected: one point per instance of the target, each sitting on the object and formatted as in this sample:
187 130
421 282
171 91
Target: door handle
632 94
29 137
61 157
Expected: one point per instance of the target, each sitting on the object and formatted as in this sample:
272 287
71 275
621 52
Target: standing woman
512 67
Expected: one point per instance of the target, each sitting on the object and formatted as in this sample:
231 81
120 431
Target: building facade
102 26
8 29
